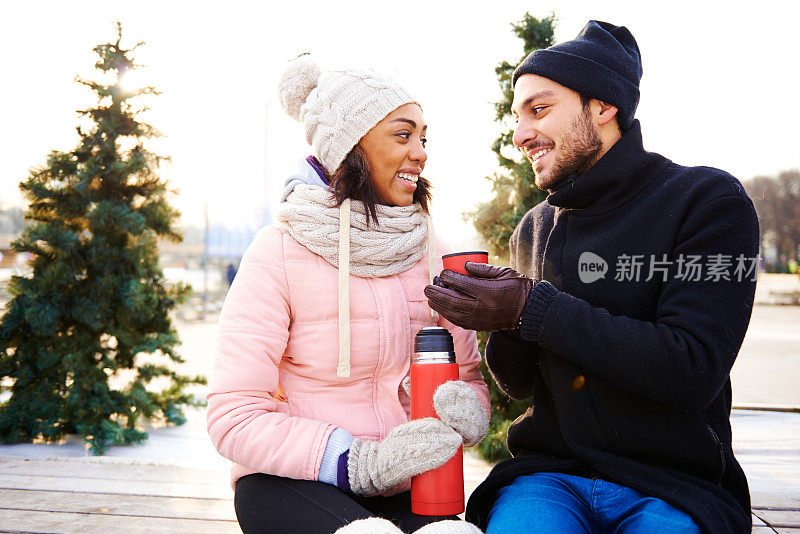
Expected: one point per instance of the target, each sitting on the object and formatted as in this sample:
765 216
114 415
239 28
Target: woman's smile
395 151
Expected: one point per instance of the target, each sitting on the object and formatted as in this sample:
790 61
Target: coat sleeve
512 360
244 422
468 359
683 358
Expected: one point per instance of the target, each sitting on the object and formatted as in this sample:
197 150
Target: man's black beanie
602 62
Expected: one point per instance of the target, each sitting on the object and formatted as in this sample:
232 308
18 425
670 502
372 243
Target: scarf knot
393 246
342 237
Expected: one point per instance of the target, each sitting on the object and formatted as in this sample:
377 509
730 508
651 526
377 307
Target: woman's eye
424 142
405 135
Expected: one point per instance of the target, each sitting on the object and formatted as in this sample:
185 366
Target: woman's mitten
449 526
371 525
457 405
410 449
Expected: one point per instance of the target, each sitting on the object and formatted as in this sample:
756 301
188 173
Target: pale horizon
717 89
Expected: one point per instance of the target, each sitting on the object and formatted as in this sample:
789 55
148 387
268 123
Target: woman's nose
418 153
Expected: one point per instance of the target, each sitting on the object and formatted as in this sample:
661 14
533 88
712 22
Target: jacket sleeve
244 421
512 360
684 357
468 359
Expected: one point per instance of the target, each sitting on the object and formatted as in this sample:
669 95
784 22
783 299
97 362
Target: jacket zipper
721 454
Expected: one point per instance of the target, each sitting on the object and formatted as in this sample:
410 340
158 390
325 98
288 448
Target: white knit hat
337 108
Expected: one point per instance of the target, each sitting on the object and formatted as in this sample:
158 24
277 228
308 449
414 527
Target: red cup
455 261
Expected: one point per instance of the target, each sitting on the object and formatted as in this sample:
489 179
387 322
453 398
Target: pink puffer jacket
279 326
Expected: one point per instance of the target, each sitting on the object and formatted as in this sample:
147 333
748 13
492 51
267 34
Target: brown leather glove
492 298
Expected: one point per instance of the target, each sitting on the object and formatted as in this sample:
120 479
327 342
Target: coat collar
614 179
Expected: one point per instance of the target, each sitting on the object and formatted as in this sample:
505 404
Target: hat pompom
297 83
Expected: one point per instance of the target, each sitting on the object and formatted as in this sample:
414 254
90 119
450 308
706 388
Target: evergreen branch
514 193
96 297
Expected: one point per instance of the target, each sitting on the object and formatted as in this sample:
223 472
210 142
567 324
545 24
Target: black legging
268 503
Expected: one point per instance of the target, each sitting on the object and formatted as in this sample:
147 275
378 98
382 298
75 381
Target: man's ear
607 112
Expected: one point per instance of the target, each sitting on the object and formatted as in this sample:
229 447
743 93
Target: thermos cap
433 344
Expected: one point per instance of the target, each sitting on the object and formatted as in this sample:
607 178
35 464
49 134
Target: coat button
578 383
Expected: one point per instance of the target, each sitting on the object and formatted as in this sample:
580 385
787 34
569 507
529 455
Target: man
630 295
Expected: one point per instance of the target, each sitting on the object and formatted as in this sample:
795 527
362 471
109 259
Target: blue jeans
566 504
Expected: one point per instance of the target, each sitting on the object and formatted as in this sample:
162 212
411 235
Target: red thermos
440 491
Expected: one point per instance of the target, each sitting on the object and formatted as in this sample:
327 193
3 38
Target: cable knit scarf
341 236
391 247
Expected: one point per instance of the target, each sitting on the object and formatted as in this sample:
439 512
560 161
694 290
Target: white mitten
457 405
449 526
377 525
410 449
371 525
406 385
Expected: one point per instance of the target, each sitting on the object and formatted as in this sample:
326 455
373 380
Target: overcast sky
720 85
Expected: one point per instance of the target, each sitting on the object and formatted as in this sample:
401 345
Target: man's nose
522 134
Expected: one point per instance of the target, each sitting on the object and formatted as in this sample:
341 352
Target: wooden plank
767 445
68 523
762 500
167 492
757 522
783 518
116 504
110 470
767 407
779 530
122 486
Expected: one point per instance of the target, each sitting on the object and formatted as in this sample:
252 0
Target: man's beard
578 152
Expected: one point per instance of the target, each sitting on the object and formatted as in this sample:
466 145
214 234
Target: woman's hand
410 449
458 406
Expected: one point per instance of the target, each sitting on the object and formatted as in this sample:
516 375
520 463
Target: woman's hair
352 179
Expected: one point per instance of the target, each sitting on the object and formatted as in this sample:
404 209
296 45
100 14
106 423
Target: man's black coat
629 372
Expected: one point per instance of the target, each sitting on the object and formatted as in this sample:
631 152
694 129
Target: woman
316 333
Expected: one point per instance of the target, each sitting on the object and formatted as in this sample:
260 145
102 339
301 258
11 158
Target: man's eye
424 141
537 109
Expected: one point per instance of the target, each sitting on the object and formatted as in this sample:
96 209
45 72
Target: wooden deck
77 495
84 494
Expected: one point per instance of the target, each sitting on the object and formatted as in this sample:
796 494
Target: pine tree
87 345
514 194
514 191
